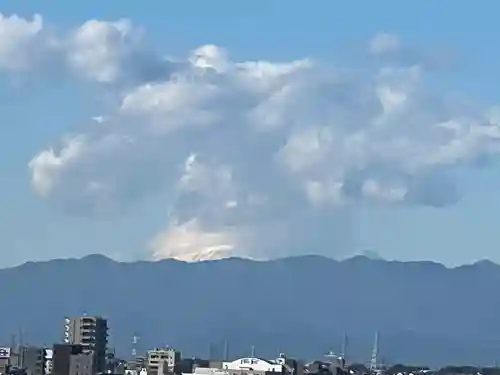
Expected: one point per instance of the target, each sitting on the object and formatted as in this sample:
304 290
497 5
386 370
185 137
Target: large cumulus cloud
258 158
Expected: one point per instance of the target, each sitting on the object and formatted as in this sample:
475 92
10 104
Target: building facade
253 365
32 360
162 361
7 359
82 364
48 357
246 366
61 357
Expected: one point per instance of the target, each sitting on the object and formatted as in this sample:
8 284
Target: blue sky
37 111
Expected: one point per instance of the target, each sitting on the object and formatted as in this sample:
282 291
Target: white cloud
259 157
114 52
99 49
105 52
46 165
188 242
19 39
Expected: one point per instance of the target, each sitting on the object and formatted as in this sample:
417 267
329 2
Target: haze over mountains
424 311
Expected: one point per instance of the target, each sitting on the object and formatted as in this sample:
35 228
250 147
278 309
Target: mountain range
424 311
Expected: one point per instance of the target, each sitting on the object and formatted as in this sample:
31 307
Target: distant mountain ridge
425 312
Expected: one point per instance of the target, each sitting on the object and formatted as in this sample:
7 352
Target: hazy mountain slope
302 305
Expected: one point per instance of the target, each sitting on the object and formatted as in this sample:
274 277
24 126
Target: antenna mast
374 359
135 340
344 346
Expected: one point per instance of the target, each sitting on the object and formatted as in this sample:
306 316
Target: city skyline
79 353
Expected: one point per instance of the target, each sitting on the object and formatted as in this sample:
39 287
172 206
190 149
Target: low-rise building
32 360
141 371
48 357
255 365
247 366
207 371
5 359
162 361
326 368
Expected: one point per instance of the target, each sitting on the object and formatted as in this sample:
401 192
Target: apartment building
91 332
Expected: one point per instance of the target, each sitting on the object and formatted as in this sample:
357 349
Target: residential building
32 360
162 361
92 333
327 368
6 359
137 364
61 357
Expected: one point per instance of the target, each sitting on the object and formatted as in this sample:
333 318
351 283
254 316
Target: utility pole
21 351
226 347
